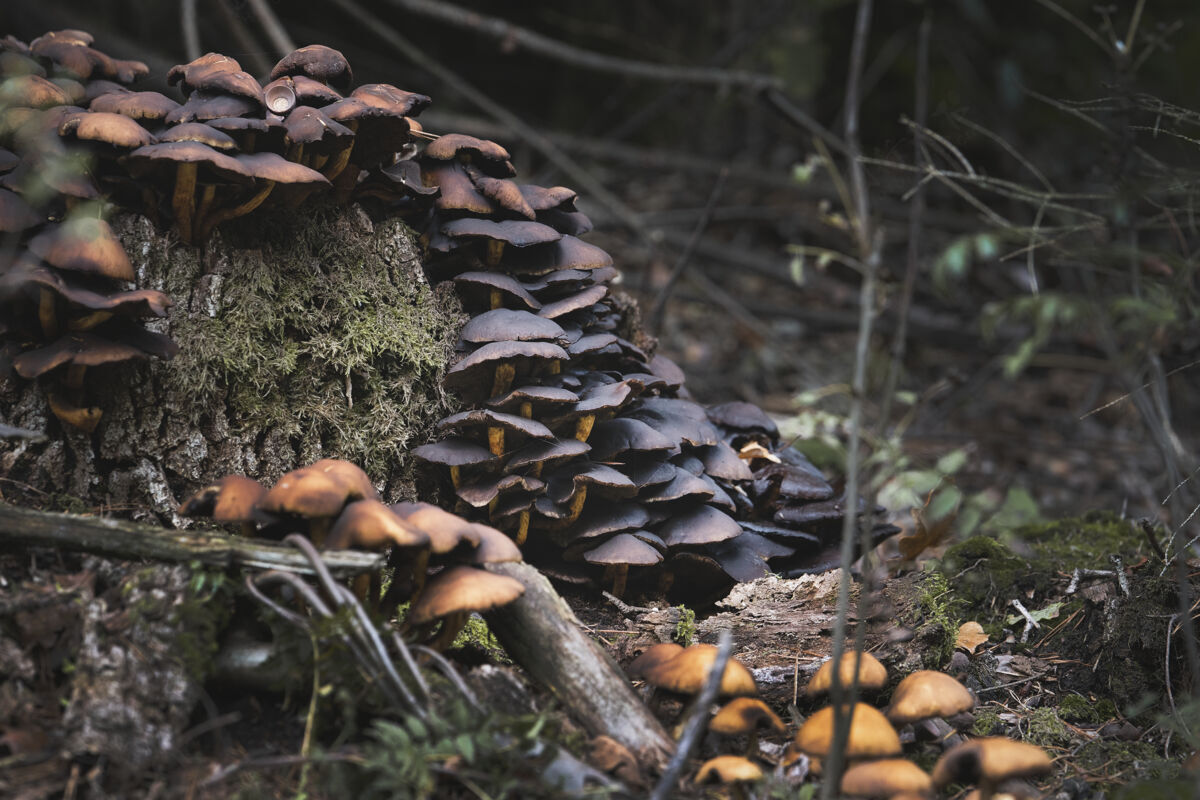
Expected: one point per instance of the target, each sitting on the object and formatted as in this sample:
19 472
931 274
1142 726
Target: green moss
322 328
987 723
1121 762
685 629
1045 729
936 625
1077 708
476 634
1084 542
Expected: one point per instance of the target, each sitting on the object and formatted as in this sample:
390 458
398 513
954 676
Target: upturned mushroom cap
886 778
231 499
459 589
728 769
369 524
688 670
318 62
871 735
871 674
744 715
926 693
990 760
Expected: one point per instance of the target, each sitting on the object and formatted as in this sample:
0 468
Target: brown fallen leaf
970 636
752 450
926 535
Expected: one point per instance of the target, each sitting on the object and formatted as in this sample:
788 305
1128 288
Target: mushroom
732 771
232 499
617 555
315 495
687 671
988 762
453 594
928 697
854 667
746 716
186 159
870 736
886 778
321 63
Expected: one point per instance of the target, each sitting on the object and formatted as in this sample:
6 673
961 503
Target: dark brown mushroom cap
68 50
215 73
619 437
84 244
757 544
169 155
507 325
888 777
568 223
540 398
728 769
459 589
446 531
369 524
471 375
623 548
89 350
350 475
504 193
568 252
683 485
311 92
600 519
16 215
199 132
565 482
477 418
391 98
402 179
487 489
807 513
575 302
990 759
476 287
688 670
927 693
308 493
743 417
871 674
653 655
307 125
738 559
702 525
680 420
30 91
649 474
546 453
456 195
666 369
231 499
488 156
276 168
135 105
318 62
743 715
136 303
454 451
594 344
203 106
871 735
542 198
722 461
515 232
791 482
98 87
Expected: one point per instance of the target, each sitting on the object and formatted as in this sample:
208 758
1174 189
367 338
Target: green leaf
943 503
952 462
418 729
465 745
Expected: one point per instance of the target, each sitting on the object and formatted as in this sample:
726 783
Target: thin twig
697 719
655 316
780 104
512 34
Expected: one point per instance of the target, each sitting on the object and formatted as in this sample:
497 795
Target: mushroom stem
318 529
576 506
89 321
522 529
495 300
334 167
555 366
496 441
206 201
319 161
451 625
419 565
616 575
75 373
456 476
86 419
495 251
211 221
527 410
183 200
46 313
296 153
583 427
503 378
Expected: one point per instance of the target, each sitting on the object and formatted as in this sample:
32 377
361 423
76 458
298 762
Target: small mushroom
871 735
886 778
988 762
869 672
453 594
731 771
232 499
746 716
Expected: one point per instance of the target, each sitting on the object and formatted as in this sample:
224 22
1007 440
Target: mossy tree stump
303 334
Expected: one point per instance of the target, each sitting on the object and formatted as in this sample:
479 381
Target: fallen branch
542 634
113 538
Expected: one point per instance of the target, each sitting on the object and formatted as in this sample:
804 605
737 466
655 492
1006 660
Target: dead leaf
752 450
609 755
927 534
970 636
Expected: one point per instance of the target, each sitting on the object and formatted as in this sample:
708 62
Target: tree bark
540 632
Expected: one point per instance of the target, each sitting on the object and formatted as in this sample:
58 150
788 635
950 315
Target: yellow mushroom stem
335 165
212 220
504 375
75 373
183 200
318 161
89 321
296 153
527 410
456 476
495 251
451 625
555 366
583 427
576 505
419 565
248 141
85 419
207 195
47 315
522 532
496 441
495 299
615 575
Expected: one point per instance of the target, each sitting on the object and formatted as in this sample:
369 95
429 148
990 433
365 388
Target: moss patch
935 623
321 326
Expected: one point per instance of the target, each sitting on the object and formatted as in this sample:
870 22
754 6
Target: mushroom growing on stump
312 497
988 762
453 594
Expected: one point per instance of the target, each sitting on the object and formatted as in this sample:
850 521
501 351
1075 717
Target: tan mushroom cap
106 127
688 670
231 499
309 493
652 657
990 760
743 715
728 769
886 778
446 531
351 475
871 674
926 693
84 244
494 547
369 524
463 589
871 735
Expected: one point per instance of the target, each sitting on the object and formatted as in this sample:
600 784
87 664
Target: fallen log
540 632
113 538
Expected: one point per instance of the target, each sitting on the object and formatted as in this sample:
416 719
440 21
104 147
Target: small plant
685 629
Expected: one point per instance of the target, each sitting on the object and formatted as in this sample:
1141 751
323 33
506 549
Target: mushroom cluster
75 138
436 555
579 443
